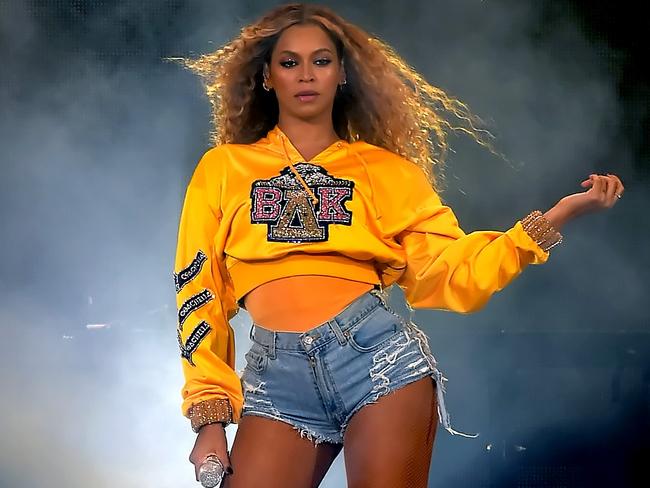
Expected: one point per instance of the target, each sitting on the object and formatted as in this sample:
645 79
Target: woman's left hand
604 191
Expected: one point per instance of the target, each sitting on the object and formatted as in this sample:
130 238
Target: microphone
211 472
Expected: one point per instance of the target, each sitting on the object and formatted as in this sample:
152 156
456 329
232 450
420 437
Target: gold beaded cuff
210 412
541 230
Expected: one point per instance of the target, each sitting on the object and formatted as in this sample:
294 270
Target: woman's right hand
210 440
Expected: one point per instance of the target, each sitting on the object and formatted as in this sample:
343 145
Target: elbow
452 298
468 293
468 303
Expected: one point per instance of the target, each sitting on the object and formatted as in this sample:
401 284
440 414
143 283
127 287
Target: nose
306 73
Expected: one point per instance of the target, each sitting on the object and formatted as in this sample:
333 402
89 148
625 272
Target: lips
307 96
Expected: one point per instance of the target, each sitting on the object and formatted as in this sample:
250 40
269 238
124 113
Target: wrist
210 411
561 213
541 230
217 426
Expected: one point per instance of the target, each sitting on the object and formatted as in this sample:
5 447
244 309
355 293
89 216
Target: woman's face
305 72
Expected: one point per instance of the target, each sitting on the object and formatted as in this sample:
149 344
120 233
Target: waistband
322 334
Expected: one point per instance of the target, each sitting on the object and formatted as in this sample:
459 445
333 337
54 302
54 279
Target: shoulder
209 170
216 159
388 163
215 155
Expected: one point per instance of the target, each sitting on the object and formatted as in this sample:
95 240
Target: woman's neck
309 138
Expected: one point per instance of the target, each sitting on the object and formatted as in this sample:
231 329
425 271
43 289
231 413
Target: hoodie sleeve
447 268
205 302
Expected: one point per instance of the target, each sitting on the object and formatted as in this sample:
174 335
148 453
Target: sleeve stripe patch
185 275
193 303
199 333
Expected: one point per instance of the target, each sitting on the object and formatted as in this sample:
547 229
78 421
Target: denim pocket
256 358
377 328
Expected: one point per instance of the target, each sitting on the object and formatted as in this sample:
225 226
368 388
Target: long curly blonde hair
385 102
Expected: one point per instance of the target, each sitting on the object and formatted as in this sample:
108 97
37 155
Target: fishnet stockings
388 444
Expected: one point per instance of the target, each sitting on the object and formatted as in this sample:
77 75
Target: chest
297 203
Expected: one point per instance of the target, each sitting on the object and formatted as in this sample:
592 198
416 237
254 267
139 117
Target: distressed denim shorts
318 379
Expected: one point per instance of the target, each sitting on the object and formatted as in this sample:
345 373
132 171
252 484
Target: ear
266 72
343 79
265 78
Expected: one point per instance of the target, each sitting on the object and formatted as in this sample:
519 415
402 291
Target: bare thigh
272 454
389 443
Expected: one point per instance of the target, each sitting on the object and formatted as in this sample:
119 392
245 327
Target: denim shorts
317 380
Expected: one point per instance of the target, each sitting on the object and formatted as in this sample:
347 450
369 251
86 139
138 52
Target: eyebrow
317 51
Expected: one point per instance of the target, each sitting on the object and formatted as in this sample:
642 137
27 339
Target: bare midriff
300 303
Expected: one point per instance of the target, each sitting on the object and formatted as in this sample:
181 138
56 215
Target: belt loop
379 295
274 336
340 336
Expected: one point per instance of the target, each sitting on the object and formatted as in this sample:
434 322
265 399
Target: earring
265 86
344 82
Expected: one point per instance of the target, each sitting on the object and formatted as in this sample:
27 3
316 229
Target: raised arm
451 270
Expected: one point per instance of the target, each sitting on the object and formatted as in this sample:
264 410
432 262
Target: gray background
98 137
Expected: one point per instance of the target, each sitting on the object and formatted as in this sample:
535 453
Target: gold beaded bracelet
210 412
541 230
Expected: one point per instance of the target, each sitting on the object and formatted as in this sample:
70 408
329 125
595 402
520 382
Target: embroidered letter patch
199 333
191 304
185 275
285 206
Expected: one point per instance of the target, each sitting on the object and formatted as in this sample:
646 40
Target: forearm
560 214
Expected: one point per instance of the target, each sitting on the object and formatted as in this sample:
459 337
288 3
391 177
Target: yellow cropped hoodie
257 212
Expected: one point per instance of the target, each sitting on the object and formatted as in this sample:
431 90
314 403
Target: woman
318 195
